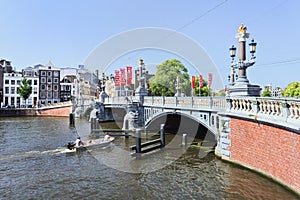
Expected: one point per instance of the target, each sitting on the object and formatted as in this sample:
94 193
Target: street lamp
242 64
239 83
232 51
252 46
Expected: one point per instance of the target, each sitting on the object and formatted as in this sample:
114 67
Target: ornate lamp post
177 84
241 86
103 94
141 91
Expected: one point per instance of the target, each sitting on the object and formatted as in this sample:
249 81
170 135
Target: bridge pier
72 120
152 145
184 140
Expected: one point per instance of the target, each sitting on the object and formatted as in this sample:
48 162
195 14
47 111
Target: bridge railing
208 103
283 110
120 100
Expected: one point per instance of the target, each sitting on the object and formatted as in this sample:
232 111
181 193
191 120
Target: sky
66 32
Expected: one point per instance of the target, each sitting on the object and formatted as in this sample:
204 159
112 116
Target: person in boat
78 142
106 138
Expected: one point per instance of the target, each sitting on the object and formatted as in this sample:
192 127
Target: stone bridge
258 133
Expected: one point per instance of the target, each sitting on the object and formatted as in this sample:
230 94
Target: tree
25 89
292 90
266 93
164 81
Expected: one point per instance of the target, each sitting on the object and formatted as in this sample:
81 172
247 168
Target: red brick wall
55 112
269 149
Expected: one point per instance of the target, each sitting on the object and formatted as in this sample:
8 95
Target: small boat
90 144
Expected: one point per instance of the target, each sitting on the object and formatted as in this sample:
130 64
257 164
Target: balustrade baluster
272 108
278 108
265 107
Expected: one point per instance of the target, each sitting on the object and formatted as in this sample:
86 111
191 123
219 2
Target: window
13 89
43 73
29 73
30 82
6 90
68 88
43 87
6 81
55 94
55 80
55 87
29 100
56 73
43 80
49 87
49 79
13 82
12 100
49 95
43 95
34 82
49 73
18 82
35 90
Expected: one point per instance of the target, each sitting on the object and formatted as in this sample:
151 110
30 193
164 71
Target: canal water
35 165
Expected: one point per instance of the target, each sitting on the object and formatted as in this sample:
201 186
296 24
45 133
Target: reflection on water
33 165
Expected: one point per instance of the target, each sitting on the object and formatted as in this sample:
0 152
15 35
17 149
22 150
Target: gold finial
141 61
242 29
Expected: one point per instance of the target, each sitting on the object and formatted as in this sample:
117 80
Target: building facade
11 98
68 88
5 67
49 79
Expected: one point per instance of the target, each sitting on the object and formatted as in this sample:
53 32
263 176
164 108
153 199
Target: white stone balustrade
273 110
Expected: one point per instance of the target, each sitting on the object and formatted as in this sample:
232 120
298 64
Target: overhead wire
194 19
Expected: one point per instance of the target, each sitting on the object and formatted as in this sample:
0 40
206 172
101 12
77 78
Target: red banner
201 81
209 79
117 78
193 82
129 74
122 77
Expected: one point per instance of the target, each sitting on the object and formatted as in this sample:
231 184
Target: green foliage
164 81
266 93
204 91
220 93
24 89
292 90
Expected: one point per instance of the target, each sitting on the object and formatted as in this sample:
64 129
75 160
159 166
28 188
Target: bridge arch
180 123
88 111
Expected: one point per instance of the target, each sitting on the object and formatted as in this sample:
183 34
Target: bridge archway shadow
177 124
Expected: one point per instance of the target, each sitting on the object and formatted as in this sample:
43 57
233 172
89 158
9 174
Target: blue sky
65 32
